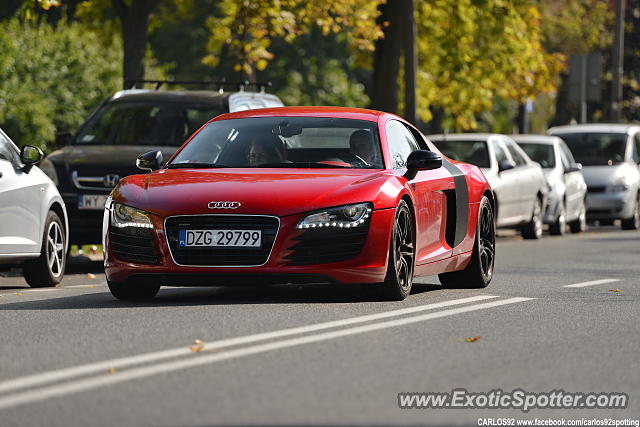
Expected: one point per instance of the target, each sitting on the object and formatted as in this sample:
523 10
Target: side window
401 143
6 151
636 154
515 155
566 155
501 155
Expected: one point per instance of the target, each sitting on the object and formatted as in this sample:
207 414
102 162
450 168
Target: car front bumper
610 205
369 266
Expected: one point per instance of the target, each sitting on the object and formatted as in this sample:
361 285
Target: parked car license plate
227 238
92 201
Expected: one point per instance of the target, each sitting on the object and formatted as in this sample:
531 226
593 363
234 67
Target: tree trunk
386 63
135 21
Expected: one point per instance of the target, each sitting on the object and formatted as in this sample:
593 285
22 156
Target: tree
50 78
132 19
573 27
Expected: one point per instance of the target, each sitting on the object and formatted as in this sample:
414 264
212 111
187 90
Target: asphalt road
75 356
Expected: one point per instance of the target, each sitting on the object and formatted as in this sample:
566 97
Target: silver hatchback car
567 189
610 155
33 218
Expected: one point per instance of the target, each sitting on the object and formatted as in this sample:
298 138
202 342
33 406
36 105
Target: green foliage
472 52
315 69
50 78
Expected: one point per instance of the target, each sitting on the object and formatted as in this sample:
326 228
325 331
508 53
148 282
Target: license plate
92 201
226 238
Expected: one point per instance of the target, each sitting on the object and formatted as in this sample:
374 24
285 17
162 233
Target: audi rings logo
223 205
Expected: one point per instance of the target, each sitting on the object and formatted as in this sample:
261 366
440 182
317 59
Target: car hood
278 192
98 160
601 176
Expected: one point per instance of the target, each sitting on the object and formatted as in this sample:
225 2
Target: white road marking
40 290
591 283
82 286
91 368
199 359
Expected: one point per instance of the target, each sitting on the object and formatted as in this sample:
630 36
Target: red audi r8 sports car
300 195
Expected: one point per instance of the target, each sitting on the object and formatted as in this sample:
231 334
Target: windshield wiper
314 165
194 166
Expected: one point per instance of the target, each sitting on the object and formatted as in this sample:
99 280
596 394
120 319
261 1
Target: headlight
49 169
125 216
341 217
617 188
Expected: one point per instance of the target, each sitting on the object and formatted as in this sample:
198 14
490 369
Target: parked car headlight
347 216
617 188
49 169
125 216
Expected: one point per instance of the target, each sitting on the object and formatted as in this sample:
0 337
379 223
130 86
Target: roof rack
239 85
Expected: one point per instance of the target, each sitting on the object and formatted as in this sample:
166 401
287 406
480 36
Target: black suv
129 123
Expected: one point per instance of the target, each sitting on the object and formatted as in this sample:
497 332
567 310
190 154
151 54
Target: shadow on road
232 295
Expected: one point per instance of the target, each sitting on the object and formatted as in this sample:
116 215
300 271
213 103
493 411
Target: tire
559 227
399 279
579 225
48 269
533 229
633 223
133 292
479 271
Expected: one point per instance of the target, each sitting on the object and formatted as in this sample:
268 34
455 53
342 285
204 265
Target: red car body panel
290 194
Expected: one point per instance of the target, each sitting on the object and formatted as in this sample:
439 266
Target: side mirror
506 165
30 156
63 138
573 167
422 160
149 161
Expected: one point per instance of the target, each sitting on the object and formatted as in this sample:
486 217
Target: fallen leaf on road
112 370
91 276
615 290
472 339
197 346
91 286
18 293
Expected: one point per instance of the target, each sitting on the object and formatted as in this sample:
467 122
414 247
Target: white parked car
517 181
567 190
33 218
610 156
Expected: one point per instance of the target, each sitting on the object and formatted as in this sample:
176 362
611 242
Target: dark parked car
129 123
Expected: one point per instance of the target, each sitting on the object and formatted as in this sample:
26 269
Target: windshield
597 149
474 152
541 153
313 142
145 123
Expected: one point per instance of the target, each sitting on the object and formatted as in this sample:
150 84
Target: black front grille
324 245
596 189
133 244
222 256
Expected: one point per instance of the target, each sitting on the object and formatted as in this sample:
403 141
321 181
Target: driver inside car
264 151
361 144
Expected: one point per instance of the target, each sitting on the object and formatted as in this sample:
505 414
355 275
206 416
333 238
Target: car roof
536 139
338 112
190 96
463 136
595 128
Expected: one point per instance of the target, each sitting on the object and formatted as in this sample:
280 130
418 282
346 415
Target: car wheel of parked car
533 229
479 271
133 292
397 284
48 268
633 223
559 227
579 225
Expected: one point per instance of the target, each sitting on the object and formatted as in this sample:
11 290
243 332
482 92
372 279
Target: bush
51 78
